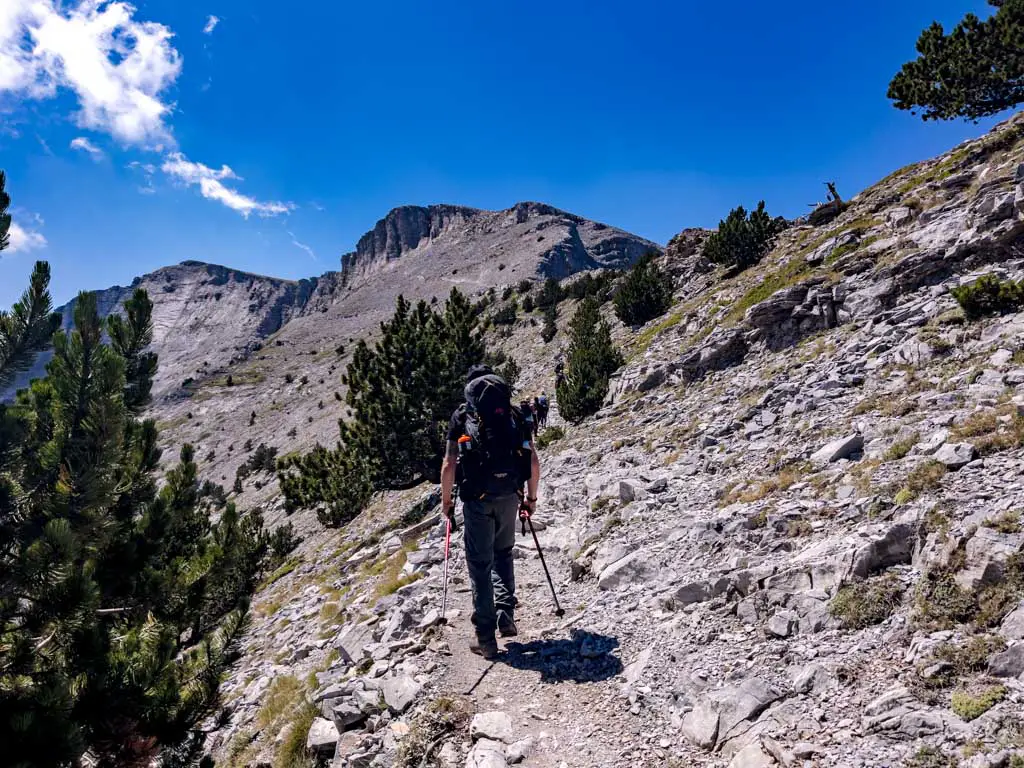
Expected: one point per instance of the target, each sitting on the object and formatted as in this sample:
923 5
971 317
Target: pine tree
645 294
547 333
741 240
101 577
592 359
402 392
974 71
29 326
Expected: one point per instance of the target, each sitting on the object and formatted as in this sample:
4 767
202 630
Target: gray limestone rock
1008 663
487 754
323 737
955 455
399 692
491 725
634 567
843 448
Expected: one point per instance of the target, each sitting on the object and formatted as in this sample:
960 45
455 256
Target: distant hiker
529 415
542 409
490 453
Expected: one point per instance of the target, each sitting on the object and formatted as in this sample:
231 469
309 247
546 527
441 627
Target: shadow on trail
585 657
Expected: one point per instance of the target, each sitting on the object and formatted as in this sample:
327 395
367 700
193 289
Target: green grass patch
971 706
287 567
867 602
1008 522
549 436
923 478
790 273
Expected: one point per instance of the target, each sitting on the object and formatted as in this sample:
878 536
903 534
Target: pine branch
28 327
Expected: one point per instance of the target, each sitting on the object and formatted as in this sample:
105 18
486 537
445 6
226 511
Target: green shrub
970 706
549 435
742 240
646 292
901 448
1008 522
506 315
922 478
867 602
550 294
988 295
932 757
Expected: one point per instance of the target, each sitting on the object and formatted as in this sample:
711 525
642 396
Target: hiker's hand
527 508
449 512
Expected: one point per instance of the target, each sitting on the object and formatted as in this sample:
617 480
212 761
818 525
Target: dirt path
557 682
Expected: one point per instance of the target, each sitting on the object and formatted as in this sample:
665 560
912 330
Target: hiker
490 453
542 409
530 415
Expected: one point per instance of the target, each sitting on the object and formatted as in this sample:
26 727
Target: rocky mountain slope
246 359
793 536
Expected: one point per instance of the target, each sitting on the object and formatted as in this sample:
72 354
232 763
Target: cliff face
537 239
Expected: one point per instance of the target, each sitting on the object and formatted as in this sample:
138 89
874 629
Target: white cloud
147 170
211 186
84 145
302 246
24 240
211 24
118 68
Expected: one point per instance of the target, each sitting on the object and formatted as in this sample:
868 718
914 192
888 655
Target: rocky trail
793 535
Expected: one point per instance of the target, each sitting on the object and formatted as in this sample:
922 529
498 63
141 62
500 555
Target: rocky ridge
792 536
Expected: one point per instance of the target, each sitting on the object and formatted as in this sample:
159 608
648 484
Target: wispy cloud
211 186
302 246
82 144
120 70
211 24
24 240
147 170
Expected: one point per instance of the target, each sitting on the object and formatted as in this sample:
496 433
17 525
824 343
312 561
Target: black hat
478 370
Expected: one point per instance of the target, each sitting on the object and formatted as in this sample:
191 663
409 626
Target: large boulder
487 753
491 725
633 568
955 455
399 692
987 552
722 349
776 309
1008 663
322 737
720 715
842 448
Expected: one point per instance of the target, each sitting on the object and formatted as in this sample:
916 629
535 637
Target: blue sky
270 136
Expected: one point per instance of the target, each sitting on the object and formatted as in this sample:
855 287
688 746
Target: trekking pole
524 517
449 522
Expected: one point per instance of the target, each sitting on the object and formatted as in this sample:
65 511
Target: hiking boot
506 625
485 646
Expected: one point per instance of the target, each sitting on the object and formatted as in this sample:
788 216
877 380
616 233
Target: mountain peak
557 243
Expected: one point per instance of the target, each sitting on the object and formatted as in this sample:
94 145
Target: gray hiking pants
490 533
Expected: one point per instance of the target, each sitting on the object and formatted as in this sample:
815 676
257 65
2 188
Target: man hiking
491 454
542 409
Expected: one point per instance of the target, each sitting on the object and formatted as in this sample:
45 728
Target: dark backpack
494 450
